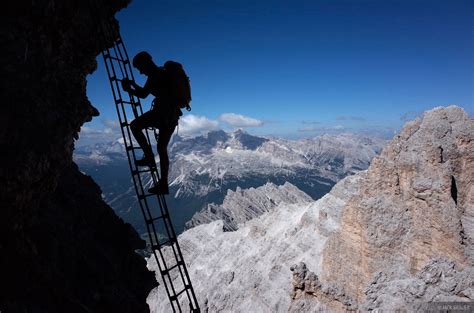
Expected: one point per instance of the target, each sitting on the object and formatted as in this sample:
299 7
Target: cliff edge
408 235
62 248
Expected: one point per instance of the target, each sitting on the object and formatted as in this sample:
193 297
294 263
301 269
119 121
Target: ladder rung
151 220
116 59
158 246
175 297
166 271
128 148
136 172
124 101
141 197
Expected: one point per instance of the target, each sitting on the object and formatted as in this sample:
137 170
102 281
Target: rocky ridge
389 238
220 157
243 205
62 248
251 265
415 206
204 168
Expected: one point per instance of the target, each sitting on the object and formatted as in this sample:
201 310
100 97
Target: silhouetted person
163 115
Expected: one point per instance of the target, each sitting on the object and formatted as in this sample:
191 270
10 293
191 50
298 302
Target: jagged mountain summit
219 157
204 168
243 205
389 238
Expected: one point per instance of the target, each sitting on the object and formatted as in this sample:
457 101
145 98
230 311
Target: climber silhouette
163 115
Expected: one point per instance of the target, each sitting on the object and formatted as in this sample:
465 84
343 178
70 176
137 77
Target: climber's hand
126 84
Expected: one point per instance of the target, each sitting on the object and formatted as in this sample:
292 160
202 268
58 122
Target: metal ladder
154 209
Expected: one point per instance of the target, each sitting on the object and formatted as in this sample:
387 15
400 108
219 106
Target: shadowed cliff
62 248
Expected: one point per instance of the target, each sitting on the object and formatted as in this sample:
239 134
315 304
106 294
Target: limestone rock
245 204
248 270
387 238
415 205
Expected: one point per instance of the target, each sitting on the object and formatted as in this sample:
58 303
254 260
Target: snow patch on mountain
220 157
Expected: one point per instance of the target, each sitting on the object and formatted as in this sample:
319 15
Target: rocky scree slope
248 270
62 248
243 205
391 237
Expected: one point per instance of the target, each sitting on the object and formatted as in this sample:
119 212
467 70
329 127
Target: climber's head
143 62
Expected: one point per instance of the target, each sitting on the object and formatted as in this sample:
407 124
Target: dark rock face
62 249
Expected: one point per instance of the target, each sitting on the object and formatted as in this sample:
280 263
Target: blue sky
299 68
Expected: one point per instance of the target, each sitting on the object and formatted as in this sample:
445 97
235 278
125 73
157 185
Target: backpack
180 88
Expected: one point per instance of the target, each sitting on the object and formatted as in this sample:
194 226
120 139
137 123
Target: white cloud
193 125
350 118
90 136
189 125
328 129
239 121
93 135
112 124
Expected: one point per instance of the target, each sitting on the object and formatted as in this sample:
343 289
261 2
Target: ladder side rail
184 275
122 52
125 133
141 189
108 32
153 171
127 69
187 281
121 62
124 73
177 252
128 142
118 95
152 235
131 155
125 129
164 263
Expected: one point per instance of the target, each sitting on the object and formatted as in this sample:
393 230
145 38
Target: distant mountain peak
243 205
392 238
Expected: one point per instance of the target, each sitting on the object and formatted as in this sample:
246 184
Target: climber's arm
134 89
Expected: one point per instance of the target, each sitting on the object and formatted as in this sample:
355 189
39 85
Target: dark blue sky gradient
285 62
